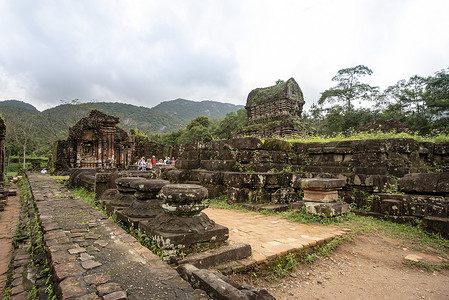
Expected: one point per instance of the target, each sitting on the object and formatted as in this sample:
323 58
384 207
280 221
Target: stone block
259 196
441 148
218 165
221 255
425 183
103 182
322 183
391 207
284 195
327 209
436 225
247 143
417 209
320 196
244 180
438 206
181 240
275 207
187 164
238 195
210 177
297 205
215 286
277 180
178 176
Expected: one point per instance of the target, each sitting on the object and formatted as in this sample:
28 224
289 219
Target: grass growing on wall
349 136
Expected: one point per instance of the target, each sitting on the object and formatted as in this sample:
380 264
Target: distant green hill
53 124
13 105
187 110
131 116
165 117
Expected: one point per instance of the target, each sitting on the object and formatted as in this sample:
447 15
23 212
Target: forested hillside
187 110
35 132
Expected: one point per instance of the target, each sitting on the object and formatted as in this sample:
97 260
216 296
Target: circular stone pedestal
182 223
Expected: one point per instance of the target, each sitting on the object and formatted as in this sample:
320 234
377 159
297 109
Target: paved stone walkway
8 226
270 236
92 256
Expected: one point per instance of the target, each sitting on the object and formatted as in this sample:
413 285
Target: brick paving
8 226
270 236
93 258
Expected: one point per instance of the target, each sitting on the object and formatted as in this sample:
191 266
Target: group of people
148 165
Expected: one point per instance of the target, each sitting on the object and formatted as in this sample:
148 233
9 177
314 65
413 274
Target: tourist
142 164
168 161
173 161
153 160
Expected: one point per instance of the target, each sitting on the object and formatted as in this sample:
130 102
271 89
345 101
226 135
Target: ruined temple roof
285 90
95 120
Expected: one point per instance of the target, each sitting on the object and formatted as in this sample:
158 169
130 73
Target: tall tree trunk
24 151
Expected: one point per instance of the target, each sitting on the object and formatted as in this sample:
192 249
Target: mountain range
164 117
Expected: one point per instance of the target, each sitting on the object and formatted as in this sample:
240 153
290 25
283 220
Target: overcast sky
145 52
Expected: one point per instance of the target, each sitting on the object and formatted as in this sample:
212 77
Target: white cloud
145 52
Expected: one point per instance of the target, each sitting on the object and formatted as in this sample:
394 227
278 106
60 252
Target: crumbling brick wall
247 169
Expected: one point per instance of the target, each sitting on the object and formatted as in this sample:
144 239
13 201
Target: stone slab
169 240
218 256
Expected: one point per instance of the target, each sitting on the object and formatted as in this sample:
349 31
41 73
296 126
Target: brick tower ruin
94 142
275 110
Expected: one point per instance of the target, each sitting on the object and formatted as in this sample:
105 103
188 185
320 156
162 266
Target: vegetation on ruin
373 135
36 249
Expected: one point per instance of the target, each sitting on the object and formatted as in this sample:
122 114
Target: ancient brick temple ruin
3 190
94 142
275 110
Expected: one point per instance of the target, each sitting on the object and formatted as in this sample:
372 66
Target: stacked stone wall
270 171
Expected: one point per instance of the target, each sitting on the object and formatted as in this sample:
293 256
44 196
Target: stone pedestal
145 204
182 223
124 196
321 196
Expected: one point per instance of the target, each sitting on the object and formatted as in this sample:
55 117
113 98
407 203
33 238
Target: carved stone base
327 209
181 240
144 208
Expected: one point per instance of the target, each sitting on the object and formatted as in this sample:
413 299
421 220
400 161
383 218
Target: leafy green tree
198 128
437 98
409 94
279 81
230 124
406 101
339 120
349 88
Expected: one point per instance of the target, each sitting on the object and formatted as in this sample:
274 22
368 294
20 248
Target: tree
230 124
406 102
437 96
198 128
409 95
279 81
21 132
349 87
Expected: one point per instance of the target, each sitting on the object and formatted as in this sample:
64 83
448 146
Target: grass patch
420 265
438 137
88 197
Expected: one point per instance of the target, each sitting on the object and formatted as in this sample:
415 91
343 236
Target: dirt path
371 267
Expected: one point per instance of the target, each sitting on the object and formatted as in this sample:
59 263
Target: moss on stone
277 145
285 90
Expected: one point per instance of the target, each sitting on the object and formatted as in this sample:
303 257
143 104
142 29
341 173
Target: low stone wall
270 171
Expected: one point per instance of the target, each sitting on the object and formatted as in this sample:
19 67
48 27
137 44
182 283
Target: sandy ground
371 267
